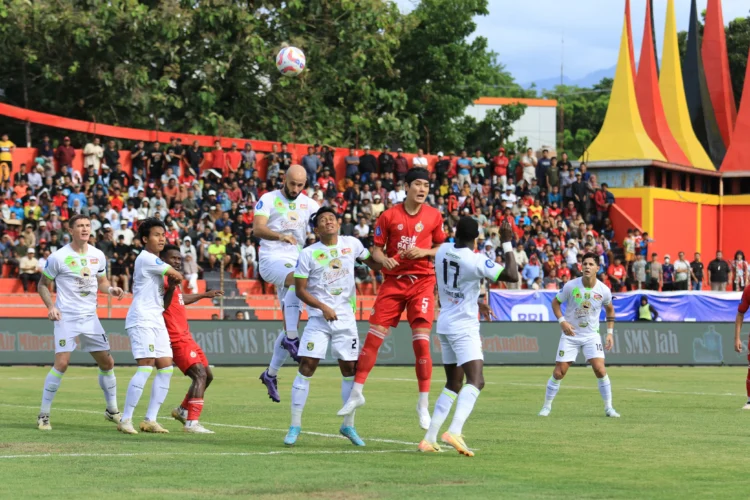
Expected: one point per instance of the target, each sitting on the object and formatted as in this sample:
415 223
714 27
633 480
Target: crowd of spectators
558 211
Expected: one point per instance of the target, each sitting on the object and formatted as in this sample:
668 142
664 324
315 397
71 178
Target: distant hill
586 81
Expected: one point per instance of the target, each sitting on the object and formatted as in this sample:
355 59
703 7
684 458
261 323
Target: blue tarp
524 305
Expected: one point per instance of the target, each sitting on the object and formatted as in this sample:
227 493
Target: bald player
281 222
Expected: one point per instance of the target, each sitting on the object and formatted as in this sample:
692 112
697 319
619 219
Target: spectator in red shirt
116 200
500 168
234 193
616 274
64 155
233 160
401 165
219 160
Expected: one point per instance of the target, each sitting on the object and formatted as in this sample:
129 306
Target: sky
527 34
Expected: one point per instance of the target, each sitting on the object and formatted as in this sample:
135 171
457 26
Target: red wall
709 231
674 228
632 207
735 230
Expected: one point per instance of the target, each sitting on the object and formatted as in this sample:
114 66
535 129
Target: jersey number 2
454 265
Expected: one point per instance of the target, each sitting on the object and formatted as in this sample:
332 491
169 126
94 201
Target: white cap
31 250
212 193
440 153
187 238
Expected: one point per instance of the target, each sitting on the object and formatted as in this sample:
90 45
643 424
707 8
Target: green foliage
495 128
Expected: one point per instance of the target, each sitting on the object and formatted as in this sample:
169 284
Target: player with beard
281 220
186 353
406 240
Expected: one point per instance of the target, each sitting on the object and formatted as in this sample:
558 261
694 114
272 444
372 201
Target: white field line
248 427
202 454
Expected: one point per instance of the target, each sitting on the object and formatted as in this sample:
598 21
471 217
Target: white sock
605 389
108 383
279 357
346 389
467 396
424 400
51 384
135 390
159 391
553 385
291 312
300 390
442 409
356 389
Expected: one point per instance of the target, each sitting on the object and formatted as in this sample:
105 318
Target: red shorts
395 294
186 353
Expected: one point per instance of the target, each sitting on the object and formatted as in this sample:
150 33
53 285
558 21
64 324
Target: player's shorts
186 353
149 342
87 331
275 270
415 294
567 350
461 347
341 334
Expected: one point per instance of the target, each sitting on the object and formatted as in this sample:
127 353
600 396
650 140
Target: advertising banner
530 305
30 341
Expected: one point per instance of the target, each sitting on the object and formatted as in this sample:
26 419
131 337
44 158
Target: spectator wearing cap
401 165
347 227
29 235
32 211
43 232
124 231
28 268
368 165
377 206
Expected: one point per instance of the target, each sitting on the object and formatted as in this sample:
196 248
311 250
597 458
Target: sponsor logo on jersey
489 264
378 231
406 243
419 227
159 261
94 260
335 263
400 227
345 251
336 291
597 297
303 206
259 205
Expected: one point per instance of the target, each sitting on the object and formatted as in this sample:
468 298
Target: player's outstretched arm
53 313
300 285
510 272
195 297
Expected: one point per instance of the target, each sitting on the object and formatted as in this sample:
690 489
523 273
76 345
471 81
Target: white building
538 123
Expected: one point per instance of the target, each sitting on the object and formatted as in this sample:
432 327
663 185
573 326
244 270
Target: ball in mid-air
290 61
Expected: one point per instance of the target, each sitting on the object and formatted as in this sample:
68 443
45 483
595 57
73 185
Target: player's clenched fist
506 232
54 314
329 314
390 263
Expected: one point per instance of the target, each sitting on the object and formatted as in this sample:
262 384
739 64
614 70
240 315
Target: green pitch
681 435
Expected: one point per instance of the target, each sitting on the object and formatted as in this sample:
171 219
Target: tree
495 129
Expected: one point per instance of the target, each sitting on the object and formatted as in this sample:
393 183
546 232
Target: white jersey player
324 279
79 271
144 323
584 298
282 218
460 272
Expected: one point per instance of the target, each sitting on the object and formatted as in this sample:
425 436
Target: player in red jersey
187 354
406 239
741 310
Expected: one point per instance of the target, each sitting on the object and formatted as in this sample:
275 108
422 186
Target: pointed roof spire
737 158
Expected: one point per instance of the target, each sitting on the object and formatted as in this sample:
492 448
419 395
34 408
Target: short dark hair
591 255
417 173
467 229
144 230
168 248
321 211
72 221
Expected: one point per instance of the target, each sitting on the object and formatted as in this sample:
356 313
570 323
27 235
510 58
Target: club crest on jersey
561 353
334 253
288 265
62 343
400 227
310 346
419 227
83 262
151 348
193 354
292 206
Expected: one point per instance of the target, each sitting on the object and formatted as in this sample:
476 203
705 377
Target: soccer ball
290 61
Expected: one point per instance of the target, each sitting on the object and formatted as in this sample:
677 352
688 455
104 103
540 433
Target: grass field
681 435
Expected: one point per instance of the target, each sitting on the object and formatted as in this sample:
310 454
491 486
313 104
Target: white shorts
342 335
149 342
87 331
567 350
460 348
275 270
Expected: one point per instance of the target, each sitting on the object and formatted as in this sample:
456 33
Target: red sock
194 408
423 364
369 355
747 382
185 402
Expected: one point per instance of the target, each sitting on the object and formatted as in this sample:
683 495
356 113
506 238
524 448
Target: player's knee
454 385
558 373
307 366
106 364
61 365
384 330
476 381
348 369
209 377
600 371
198 373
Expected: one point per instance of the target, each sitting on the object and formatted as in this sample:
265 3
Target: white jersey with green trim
330 274
285 217
459 275
584 305
147 308
76 277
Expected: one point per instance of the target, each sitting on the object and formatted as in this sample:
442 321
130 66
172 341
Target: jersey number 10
455 266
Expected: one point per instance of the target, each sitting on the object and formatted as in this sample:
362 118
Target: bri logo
529 312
